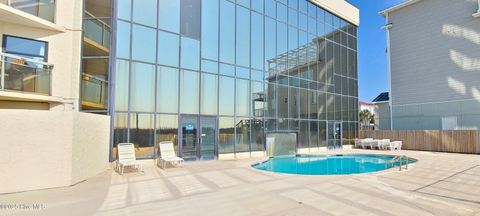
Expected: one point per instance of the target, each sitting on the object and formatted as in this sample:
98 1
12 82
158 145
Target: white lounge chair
167 154
126 157
364 143
397 145
383 144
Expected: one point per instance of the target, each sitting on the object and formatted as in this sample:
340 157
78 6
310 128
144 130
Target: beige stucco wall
342 9
45 149
64 50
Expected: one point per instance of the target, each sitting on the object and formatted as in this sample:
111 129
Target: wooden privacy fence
458 141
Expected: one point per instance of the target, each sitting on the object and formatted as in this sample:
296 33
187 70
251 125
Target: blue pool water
329 164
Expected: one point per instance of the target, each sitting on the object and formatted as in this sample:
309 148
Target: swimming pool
329 164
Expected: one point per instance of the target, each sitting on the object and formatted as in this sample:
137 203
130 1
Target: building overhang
27 97
11 15
398 7
340 8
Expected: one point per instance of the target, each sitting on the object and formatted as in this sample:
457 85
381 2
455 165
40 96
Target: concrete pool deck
438 184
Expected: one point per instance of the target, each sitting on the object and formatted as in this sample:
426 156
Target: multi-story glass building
214 76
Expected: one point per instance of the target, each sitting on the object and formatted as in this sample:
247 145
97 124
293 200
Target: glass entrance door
199 137
334 135
189 137
208 138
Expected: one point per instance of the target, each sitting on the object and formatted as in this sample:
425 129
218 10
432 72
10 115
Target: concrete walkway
438 184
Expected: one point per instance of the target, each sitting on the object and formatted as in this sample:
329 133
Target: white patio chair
367 142
167 154
126 157
396 145
383 144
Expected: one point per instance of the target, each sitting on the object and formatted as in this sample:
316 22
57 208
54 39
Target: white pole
389 68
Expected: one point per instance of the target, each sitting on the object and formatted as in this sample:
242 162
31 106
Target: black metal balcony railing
24 75
44 9
94 90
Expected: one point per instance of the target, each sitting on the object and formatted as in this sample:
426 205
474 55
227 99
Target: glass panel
257 41
44 9
144 10
257 5
242 97
270 42
226 69
281 38
142 87
121 85
303 135
25 76
169 15
281 12
143 44
257 136
226 135
226 96
258 99
210 29
208 137
270 9
167 90
168 47
209 94
282 104
26 47
189 92
313 134
124 9
190 54
227 32
94 83
123 39
245 3
142 134
190 18
243 135
292 17
96 37
99 8
120 131
242 72
167 130
189 137
322 134
243 37
210 66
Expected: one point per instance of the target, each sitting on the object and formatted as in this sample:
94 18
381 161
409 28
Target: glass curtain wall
96 53
255 65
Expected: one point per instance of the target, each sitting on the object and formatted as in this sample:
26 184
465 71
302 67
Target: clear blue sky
372 59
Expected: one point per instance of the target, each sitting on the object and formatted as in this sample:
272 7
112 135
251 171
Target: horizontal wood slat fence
457 141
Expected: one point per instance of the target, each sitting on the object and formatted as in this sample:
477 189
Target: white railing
22 74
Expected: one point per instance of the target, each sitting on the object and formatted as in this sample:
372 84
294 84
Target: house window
24 47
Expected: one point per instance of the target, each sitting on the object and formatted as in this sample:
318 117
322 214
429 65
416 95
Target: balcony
94 92
23 75
44 9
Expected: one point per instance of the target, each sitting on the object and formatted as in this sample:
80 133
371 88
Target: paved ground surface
438 184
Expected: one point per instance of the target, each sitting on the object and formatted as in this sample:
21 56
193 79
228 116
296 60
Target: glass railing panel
44 9
94 90
25 75
97 30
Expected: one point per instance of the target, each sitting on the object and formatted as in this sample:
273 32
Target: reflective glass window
257 41
167 130
227 32
143 44
169 15
142 134
189 88
292 17
257 5
190 18
124 9
242 135
226 97
226 129
143 11
209 94
167 90
168 45
270 8
210 29
243 37
123 39
281 12
242 97
226 69
142 88
190 53
121 85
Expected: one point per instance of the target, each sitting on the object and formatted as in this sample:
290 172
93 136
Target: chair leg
123 166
